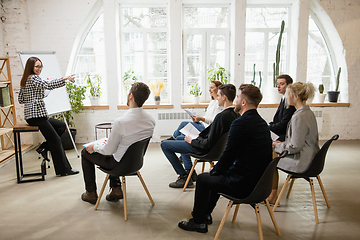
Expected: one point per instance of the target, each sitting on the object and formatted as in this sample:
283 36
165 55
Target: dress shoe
115 195
192 226
43 152
193 176
69 172
180 182
208 218
90 197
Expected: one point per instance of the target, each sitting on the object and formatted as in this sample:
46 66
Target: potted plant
76 97
93 82
218 73
321 95
253 81
334 95
156 87
129 79
196 92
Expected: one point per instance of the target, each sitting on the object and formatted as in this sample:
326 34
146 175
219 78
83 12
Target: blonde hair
305 91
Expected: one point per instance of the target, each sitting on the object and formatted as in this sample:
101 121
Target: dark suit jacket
247 154
281 119
210 135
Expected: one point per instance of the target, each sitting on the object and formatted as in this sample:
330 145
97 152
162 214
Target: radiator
319 119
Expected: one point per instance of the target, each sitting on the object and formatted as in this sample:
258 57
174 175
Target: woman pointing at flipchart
31 94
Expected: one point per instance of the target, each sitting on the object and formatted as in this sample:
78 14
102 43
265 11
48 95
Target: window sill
192 105
97 107
149 106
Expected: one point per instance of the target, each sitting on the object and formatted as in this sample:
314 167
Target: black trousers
52 129
206 195
88 162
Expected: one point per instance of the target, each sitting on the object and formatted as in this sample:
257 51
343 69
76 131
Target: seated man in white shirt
133 126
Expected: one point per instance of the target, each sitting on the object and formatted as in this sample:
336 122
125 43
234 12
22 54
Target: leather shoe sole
89 200
71 172
114 199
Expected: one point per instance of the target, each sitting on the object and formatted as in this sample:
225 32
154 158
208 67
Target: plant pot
94 101
333 96
66 140
320 98
196 99
157 100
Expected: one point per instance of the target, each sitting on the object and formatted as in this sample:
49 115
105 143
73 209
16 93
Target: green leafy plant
76 97
93 82
129 79
218 73
338 80
276 65
195 90
321 88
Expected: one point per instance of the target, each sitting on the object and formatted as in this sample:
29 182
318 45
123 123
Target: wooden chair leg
203 167
235 213
102 191
323 190
281 193
145 188
124 194
258 219
314 200
223 220
272 217
190 174
290 187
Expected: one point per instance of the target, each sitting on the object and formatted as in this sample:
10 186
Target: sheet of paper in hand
274 137
190 130
101 141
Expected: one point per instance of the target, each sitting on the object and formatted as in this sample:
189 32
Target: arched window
320 68
90 58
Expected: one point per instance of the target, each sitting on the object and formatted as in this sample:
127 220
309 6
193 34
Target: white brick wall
43 25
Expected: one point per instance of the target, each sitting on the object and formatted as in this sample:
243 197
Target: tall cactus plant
276 65
338 79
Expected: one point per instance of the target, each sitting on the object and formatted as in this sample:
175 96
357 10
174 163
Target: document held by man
190 130
101 141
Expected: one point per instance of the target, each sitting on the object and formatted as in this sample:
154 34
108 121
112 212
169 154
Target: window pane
254 54
133 53
266 17
152 17
217 50
206 17
319 65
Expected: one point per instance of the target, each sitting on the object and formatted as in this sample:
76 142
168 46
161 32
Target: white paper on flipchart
190 130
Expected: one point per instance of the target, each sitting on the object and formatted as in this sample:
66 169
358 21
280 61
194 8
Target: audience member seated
206 139
212 110
133 126
244 160
278 125
302 137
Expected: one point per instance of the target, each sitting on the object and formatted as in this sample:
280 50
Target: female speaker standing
31 94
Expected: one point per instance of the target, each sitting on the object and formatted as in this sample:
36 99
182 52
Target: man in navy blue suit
247 153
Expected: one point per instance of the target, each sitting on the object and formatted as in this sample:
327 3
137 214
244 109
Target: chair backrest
317 164
264 186
132 160
216 150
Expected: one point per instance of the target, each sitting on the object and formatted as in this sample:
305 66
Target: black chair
314 170
260 193
130 164
210 157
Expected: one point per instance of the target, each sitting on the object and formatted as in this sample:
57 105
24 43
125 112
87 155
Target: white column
112 53
174 54
237 51
299 31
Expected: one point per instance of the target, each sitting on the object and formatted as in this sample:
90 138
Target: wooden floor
53 209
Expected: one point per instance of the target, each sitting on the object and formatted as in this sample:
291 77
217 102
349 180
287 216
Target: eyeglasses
38 66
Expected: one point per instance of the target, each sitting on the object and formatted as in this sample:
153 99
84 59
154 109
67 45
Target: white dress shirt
212 110
133 126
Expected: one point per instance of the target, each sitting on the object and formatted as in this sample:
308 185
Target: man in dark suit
279 124
206 139
283 113
244 160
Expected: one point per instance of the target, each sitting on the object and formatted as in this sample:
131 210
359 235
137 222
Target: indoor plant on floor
93 82
76 97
